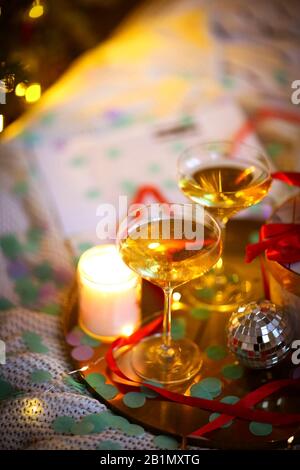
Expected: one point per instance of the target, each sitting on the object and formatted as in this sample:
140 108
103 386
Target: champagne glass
225 177
168 244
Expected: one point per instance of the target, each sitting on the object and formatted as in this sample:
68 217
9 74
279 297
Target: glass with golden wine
225 178
169 245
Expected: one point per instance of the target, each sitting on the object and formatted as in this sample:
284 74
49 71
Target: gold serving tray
164 417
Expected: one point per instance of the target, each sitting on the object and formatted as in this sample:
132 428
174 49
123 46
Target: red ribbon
242 409
280 242
145 191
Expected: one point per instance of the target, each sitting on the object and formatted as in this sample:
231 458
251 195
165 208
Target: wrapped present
284 276
280 240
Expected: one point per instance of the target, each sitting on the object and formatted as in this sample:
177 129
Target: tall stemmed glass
225 178
168 244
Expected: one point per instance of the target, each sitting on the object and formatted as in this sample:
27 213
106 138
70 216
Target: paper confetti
260 429
39 376
233 371
134 399
165 442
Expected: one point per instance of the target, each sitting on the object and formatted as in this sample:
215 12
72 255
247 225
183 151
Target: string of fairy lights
30 92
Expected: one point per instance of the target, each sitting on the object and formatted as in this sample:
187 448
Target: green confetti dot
34 238
281 77
205 293
30 138
123 121
48 118
35 234
95 379
169 184
260 429
107 391
89 341
165 442
78 161
109 419
27 291
70 382
147 391
134 399
128 186
178 328
5 304
254 236
178 147
118 422
274 149
211 384
216 352
51 309
200 392
113 153
82 428
109 445
233 371
98 424
43 271
40 376
63 424
6 390
228 82
20 188
200 313
214 416
93 193
10 246
134 430
230 400
187 120
34 342
83 246
154 168
208 388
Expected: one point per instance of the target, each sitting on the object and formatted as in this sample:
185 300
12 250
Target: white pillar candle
109 294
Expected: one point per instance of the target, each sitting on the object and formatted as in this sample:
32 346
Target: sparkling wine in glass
168 245
225 178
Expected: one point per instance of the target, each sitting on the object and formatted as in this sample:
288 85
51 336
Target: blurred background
256 45
40 38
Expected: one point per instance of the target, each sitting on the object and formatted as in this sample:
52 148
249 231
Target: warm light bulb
176 296
1 122
33 408
36 10
153 245
20 89
33 93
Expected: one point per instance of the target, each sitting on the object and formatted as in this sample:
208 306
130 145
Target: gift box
283 276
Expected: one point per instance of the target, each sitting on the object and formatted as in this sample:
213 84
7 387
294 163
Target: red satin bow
281 242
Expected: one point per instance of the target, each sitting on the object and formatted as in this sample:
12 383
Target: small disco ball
260 334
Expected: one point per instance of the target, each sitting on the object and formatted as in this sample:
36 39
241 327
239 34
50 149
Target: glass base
179 363
220 290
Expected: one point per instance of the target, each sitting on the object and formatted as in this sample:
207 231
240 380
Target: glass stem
168 292
220 264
